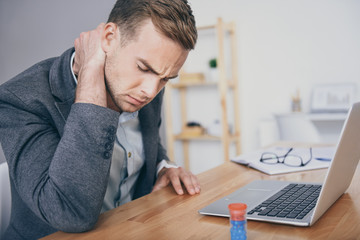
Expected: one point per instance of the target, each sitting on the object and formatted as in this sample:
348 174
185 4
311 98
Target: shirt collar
126 116
71 67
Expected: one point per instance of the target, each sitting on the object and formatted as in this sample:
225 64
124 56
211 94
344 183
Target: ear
110 37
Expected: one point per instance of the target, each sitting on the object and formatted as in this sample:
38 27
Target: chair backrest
5 197
296 128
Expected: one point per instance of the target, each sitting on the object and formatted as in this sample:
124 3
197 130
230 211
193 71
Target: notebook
321 157
263 196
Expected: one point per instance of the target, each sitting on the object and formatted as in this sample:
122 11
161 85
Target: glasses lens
269 158
294 161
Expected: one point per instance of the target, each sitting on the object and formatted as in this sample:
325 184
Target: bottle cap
237 211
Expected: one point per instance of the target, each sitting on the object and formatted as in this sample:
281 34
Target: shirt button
129 154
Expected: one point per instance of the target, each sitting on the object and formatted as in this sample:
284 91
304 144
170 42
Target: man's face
135 73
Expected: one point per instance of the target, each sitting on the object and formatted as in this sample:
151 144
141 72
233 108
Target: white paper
252 159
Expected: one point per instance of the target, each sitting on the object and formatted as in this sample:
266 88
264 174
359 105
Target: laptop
272 201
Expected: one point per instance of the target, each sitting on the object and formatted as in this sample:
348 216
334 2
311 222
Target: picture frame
329 98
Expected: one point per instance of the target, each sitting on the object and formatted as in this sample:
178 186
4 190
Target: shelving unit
224 84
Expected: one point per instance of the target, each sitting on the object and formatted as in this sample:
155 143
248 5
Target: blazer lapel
148 131
62 83
64 108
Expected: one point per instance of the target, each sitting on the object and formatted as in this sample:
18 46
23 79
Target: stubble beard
112 97
115 103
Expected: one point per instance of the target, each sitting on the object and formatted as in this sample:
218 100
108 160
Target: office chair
296 128
5 197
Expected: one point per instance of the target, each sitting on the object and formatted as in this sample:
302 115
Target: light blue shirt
127 161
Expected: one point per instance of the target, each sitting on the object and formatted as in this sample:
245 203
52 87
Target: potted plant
213 70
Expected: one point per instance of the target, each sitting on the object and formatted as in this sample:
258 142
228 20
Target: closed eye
146 67
143 69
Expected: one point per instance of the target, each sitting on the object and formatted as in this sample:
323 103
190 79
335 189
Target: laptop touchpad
255 193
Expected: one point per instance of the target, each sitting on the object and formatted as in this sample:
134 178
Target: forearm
62 179
80 166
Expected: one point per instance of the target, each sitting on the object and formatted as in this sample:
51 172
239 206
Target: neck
111 104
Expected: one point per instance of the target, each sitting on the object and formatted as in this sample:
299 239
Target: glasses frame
279 161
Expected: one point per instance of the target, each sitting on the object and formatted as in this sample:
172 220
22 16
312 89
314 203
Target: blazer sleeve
62 179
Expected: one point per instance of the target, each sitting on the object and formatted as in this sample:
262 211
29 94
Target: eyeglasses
288 159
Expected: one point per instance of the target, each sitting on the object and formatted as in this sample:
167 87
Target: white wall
285 45
282 45
33 30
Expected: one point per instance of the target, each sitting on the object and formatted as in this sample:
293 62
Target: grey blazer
59 153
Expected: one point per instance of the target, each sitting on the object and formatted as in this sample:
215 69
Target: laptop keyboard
293 201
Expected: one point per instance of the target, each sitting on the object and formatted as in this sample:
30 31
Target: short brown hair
173 18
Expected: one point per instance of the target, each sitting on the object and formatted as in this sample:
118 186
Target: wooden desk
164 215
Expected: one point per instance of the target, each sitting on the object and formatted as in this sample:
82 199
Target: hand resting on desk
176 176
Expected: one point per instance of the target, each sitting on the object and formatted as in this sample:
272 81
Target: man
80 132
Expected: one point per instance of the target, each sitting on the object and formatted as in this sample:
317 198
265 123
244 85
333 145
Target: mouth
135 101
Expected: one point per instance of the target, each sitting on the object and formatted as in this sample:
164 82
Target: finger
186 178
175 181
160 183
196 183
76 42
100 26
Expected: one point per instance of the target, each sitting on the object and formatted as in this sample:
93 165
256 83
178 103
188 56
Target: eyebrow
151 69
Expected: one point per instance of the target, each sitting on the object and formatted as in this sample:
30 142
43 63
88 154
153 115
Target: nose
149 86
